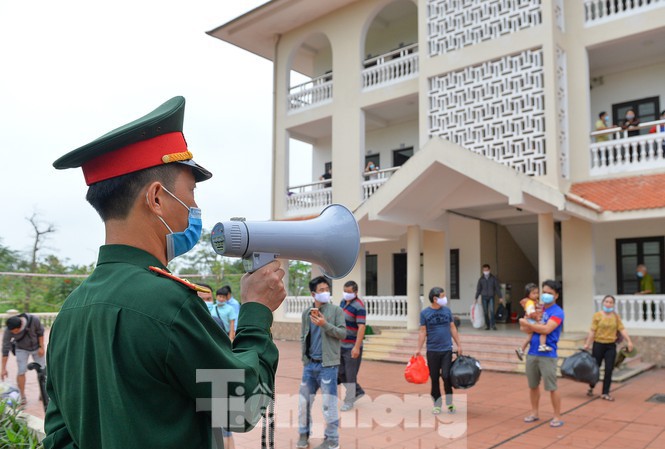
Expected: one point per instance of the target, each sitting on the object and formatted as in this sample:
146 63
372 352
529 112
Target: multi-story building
480 115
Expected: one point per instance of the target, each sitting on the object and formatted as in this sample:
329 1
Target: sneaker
436 411
452 409
303 441
346 407
328 444
520 353
544 348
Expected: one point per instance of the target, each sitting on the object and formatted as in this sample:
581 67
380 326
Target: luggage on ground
464 372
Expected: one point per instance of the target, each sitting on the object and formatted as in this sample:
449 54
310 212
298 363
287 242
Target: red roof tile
624 194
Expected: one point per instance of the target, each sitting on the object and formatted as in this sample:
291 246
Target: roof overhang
257 30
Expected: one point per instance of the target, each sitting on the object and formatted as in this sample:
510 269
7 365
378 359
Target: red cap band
134 157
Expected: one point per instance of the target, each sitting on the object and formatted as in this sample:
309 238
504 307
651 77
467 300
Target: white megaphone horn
331 240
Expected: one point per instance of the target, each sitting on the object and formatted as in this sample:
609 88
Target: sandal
556 423
531 418
590 392
436 411
606 397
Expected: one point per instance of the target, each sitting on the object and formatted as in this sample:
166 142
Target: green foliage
14 431
300 274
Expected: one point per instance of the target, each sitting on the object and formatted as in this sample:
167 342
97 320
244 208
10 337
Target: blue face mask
547 298
639 274
608 309
178 243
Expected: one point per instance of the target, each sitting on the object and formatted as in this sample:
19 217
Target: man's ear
154 197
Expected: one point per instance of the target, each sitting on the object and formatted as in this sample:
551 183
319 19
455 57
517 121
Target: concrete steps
494 350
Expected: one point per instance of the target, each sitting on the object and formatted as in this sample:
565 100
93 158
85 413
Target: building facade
480 119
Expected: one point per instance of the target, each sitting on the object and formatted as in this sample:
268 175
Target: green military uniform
126 346
123 356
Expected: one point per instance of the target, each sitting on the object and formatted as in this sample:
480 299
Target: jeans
488 311
316 376
607 352
439 363
348 374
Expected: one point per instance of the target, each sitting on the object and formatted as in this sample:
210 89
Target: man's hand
264 286
41 351
459 351
355 352
317 317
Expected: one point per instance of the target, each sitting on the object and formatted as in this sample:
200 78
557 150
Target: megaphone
331 240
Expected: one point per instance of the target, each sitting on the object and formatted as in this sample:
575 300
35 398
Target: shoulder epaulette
185 282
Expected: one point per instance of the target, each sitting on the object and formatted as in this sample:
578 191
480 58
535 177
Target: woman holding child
606 325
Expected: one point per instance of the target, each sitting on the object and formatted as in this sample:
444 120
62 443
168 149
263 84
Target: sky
72 70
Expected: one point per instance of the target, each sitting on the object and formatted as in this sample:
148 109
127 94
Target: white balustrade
378 308
622 153
375 179
596 11
314 92
638 311
313 196
396 65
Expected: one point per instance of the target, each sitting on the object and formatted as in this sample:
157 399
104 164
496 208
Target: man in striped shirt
352 345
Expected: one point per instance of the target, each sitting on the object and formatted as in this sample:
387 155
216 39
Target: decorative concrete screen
562 110
495 108
455 24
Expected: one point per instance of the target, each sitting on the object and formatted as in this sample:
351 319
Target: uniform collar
127 254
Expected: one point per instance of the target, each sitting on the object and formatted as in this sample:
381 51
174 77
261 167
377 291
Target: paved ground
396 414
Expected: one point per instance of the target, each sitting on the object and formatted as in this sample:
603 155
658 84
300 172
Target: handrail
313 82
617 129
411 48
380 173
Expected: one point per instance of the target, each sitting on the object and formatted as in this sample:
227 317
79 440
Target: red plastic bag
416 371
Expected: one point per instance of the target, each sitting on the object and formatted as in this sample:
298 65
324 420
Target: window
646 109
632 252
454 274
371 275
401 156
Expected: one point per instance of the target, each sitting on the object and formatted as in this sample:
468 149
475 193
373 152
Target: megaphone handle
256 260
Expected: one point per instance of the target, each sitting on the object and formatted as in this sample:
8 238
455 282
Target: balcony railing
396 65
316 195
314 92
622 153
600 10
378 308
638 311
375 179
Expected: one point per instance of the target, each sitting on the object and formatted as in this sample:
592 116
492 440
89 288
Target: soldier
134 346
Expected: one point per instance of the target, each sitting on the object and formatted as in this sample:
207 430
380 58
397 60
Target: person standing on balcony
324 177
371 171
543 365
352 345
647 286
603 334
437 326
602 123
488 287
631 123
321 333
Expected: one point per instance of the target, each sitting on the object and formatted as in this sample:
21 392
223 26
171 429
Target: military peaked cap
152 140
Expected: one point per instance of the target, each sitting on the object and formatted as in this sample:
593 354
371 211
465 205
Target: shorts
22 359
538 367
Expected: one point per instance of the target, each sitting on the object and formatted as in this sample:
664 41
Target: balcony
597 11
622 154
397 65
314 92
311 198
638 311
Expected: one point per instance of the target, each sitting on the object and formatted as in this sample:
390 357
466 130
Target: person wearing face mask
437 327
352 345
322 330
223 310
601 124
488 288
129 344
631 123
603 334
540 364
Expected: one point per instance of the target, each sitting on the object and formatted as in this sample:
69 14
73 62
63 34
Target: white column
546 264
413 277
357 274
434 261
578 265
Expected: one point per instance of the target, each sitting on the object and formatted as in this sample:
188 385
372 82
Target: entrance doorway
399 274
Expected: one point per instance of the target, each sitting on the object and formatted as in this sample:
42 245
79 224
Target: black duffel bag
581 367
464 372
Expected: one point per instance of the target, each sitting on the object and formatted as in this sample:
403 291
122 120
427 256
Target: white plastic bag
477 317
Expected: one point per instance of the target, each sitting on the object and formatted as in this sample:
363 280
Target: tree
300 274
40 236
